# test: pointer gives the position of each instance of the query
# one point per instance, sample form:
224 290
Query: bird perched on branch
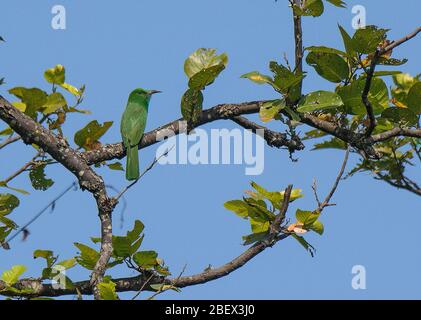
133 123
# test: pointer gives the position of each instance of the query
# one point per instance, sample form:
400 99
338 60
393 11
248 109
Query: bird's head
142 93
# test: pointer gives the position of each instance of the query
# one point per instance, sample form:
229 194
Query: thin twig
150 167
8 141
143 286
326 202
314 187
39 214
24 168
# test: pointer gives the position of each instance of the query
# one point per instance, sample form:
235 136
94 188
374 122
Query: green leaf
330 66
33 98
319 100
67 264
414 98
305 244
163 271
121 246
146 259
347 42
8 202
116 166
137 230
7 222
313 134
160 287
55 101
270 110
88 257
88 137
366 40
258 210
4 232
239 207
286 81
307 218
317 227
48 255
259 78
255 237
56 75
136 245
322 49
192 105
73 90
400 116
107 290
312 8
203 59
12 276
391 61
259 227
295 194
205 77
338 3
6 132
333 143
385 73
352 96
38 179
405 81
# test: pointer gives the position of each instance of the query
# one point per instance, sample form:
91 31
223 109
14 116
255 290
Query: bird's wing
133 124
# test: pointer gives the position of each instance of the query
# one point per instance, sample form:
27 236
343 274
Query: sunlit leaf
352 96
319 100
54 102
270 110
366 40
203 59
313 8
88 137
88 257
12 276
145 259
56 75
8 202
239 207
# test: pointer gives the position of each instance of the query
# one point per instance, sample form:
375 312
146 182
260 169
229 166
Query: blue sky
113 47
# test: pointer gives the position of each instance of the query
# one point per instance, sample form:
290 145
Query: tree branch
273 139
32 132
144 282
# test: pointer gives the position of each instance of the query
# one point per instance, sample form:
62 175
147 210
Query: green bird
133 123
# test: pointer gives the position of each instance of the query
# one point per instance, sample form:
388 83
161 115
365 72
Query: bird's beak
151 92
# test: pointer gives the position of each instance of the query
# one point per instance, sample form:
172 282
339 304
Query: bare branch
326 201
8 141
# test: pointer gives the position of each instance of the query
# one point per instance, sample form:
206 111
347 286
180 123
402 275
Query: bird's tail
132 167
